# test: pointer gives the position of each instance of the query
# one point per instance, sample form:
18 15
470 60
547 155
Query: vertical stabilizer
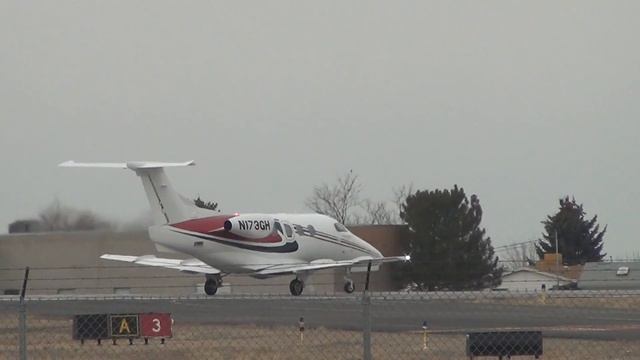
167 206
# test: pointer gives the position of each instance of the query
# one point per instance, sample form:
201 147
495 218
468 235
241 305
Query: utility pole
22 318
557 263
366 314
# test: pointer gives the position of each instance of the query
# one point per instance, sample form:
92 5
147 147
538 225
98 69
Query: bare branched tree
520 255
87 220
377 213
400 195
57 217
337 200
54 217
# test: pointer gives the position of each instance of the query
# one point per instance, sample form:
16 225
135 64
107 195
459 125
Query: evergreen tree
448 248
579 240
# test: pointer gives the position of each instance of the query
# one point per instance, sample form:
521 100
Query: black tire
210 287
349 287
296 286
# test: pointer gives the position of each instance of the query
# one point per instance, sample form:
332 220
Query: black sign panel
124 325
90 327
504 343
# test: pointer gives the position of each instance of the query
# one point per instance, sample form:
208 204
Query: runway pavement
389 313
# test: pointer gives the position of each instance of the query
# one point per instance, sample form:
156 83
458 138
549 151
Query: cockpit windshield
340 227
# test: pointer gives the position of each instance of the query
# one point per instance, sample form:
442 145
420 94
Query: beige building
531 280
69 263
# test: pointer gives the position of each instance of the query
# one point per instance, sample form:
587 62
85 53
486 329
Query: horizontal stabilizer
133 165
188 265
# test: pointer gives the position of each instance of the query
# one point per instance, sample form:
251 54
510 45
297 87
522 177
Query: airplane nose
372 249
375 251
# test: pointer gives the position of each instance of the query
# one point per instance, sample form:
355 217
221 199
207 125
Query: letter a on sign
124 327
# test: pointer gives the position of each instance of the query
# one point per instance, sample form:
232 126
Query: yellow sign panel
124 326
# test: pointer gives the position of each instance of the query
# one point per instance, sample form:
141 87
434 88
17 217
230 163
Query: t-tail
167 206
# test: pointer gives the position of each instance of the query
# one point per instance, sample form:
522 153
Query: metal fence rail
438 325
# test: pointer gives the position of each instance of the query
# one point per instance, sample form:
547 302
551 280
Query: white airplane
259 245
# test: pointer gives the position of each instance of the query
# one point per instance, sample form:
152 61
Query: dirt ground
52 339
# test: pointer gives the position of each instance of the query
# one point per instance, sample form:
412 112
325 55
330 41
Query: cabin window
288 230
278 227
340 227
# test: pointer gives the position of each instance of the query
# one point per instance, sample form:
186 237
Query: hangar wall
69 263
390 240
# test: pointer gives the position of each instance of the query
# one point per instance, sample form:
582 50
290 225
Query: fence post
22 318
366 315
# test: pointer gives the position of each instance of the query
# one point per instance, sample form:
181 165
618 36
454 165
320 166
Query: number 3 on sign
156 325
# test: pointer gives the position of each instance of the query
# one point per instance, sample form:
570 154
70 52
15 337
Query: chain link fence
399 325
553 325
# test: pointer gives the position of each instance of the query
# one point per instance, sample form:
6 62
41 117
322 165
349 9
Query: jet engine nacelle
250 226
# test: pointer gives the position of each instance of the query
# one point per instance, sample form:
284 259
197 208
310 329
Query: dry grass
51 339
542 299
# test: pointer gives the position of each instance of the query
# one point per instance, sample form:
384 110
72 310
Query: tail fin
167 206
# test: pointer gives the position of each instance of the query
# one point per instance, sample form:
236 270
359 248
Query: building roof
537 272
604 275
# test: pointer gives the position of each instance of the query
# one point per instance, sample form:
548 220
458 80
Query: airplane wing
193 266
328 264
196 266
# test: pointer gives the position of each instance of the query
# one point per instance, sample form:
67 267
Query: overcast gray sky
518 102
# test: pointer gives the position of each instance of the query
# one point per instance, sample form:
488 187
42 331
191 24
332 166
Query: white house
529 279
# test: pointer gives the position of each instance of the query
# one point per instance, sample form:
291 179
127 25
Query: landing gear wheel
211 286
296 286
349 286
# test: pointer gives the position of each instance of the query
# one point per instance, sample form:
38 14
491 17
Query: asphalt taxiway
448 315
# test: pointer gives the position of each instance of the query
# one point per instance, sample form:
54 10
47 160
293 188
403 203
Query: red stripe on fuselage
214 226
203 225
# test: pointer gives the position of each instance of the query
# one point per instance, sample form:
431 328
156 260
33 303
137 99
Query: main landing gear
296 286
349 286
212 284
